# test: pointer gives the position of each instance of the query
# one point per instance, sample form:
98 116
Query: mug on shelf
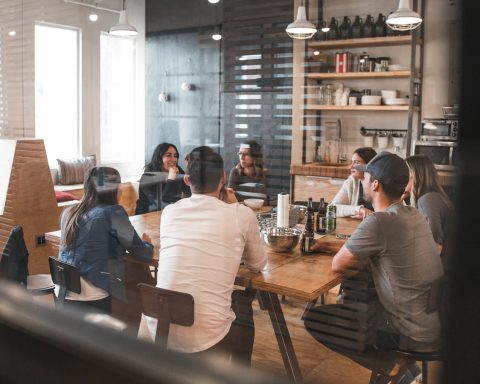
368 141
382 141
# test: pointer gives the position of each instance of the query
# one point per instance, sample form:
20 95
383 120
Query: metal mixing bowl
281 239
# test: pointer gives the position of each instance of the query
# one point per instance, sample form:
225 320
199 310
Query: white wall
25 13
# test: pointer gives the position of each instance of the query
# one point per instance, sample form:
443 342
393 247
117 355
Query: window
57 91
117 99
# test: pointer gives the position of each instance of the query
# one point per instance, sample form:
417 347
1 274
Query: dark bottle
332 33
308 236
320 226
391 31
357 28
345 29
368 26
380 28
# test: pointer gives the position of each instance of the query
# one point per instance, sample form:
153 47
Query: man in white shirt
203 240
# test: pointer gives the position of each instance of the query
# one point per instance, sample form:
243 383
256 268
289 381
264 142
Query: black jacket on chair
14 262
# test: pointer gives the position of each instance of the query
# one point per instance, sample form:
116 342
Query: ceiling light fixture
213 1
301 28
123 28
404 18
216 36
325 27
12 33
93 17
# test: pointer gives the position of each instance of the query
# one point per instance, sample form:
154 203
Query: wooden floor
317 363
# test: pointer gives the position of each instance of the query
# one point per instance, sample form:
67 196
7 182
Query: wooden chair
435 302
14 265
67 276
168 307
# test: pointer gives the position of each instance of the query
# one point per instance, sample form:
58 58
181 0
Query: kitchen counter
315 179
321 169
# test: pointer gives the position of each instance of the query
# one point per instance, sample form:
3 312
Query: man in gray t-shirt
396 244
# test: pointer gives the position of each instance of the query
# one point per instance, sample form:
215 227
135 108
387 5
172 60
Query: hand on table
228 196
146 238
326 246
362 213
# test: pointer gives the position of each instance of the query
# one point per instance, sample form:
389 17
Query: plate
398 67
396 101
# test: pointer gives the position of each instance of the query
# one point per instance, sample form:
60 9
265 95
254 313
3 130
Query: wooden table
289 274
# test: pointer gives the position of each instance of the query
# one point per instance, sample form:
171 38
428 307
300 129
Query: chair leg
424 372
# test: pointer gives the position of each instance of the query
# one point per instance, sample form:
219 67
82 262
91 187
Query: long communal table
289 274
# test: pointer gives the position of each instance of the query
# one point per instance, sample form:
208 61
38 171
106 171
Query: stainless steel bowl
281 239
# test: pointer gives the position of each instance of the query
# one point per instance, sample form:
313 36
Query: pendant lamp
301 28
123 28
404 18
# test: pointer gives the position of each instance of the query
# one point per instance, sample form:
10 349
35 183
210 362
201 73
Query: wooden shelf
362 42
318 107
359 75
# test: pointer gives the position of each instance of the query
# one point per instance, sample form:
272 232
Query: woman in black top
250 169
162 182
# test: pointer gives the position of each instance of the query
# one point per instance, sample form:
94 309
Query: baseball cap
388 168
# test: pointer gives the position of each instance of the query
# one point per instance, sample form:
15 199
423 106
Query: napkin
283 210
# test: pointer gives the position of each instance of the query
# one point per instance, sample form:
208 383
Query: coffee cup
352 100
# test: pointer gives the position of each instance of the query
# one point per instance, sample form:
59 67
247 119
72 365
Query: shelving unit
359 75
317 107
313 110
363 42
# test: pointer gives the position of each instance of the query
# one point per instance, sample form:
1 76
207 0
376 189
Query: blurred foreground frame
39 344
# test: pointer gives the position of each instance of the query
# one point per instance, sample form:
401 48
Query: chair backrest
168 307
66 275
14 262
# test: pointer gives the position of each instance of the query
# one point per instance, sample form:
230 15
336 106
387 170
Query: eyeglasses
243 154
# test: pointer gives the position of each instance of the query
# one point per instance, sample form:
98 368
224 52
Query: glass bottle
380 28
357 27
345 29
332 33
321 217
368 26
308 235
331 220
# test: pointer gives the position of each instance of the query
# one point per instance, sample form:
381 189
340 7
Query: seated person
162 182
249 178
430 199
349 200
397 244
203 240
94 237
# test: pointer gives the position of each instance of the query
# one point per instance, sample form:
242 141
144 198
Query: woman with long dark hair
349 200
428 196
162 182
95 235
249 175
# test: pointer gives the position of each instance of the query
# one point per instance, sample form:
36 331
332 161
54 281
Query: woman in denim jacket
96 234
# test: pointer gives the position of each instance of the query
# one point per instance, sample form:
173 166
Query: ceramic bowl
389 94
281 239
253 203
371 100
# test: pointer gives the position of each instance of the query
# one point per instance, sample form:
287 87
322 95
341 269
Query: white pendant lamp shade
404 18
301 28
123 28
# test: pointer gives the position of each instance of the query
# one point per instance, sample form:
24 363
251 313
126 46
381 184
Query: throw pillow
72 171
64 196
